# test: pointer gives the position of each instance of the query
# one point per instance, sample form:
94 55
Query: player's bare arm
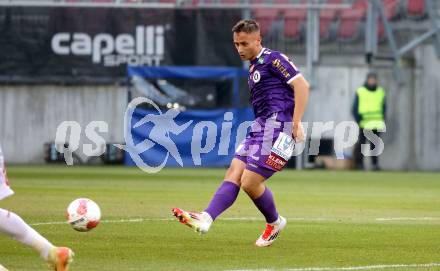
300 88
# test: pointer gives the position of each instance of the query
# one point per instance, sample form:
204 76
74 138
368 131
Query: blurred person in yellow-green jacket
369 110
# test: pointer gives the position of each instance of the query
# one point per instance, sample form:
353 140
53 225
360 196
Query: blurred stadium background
84 60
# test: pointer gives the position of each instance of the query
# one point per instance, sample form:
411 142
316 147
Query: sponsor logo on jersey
280 67
256 77
284 146
275 162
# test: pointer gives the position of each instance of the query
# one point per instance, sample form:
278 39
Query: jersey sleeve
283 68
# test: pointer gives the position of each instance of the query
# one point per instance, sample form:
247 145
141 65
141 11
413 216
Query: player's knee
233 176
247 185
234 173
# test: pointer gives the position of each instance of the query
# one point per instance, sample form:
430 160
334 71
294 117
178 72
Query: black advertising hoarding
94 45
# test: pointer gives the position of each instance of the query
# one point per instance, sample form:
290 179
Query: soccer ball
83 214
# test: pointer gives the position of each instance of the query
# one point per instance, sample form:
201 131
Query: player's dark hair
246 26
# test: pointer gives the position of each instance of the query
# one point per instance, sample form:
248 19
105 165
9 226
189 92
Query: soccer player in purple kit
279 95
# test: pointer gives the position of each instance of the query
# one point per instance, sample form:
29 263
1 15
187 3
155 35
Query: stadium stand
350 21
229 2
345 25
294 19
415 8
265 17
327 18
392 9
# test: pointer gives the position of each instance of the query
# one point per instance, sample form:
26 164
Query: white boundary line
349 268
138 220
367 267
407 218
130 220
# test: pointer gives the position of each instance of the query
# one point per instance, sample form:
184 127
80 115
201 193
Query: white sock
207 217
277 222
12 225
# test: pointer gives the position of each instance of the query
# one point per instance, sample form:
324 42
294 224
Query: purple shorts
269 144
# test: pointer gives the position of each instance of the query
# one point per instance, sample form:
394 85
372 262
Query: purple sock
223 198
266 205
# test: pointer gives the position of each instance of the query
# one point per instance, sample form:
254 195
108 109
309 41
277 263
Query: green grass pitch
335 219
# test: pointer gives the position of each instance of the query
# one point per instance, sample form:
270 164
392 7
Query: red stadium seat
380 31
350 20
326 18
415 8
229 2
391 8
391 12
293 20
265 17
350 23
360 4
280 2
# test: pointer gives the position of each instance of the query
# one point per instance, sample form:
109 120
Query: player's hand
298 132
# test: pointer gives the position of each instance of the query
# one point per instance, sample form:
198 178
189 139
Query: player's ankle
276 222
46 252
207 217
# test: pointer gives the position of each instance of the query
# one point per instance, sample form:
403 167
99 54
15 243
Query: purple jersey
269 77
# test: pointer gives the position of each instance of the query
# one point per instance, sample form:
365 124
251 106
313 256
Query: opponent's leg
12 225
253 184
223 198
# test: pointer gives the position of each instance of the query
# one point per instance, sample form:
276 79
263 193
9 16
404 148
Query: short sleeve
283 68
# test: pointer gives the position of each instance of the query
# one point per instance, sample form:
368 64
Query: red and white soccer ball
83 214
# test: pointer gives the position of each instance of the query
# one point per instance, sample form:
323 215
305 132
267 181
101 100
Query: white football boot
60 258
271 232
200 222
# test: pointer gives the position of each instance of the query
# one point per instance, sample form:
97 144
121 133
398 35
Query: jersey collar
258 56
